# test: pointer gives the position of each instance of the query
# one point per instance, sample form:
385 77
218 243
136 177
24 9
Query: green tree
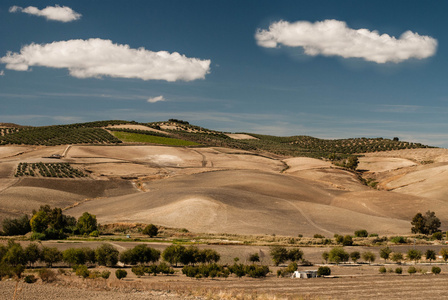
444 254
323 271
151 230
430 255
397 257
427 224
140 254
347 241
361 233
295 254
74 256
355 255
32 253
50 255
325 256
87 223
414 255
338 255
278 254
106 255
173 254
14 255
368 256
39 221
210 256
385 253
19 226
120 274
352 162
255 257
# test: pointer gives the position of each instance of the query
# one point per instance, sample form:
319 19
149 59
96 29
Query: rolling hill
230 183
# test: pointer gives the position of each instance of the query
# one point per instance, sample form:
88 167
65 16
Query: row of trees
338 255
50 223
57 170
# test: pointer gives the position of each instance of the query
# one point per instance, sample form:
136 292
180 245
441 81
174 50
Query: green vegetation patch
55 170
144 138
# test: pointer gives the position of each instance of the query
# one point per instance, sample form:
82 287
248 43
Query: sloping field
246 202
221 190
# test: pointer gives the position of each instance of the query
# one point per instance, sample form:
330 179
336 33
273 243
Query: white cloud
156 99
2 73
54 13
334 38
97 58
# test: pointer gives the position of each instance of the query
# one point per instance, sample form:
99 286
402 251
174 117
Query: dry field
218 190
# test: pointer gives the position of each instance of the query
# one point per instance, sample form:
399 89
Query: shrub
436 270
95 233
368 256
279 255
397 257
120 274
47 275
82 271
361 233
398 240
255 271
382 270
337 255
106 255
437 235
412 270
398 270
323 271
138 270
255 257
151 230
319 236
30 279
105 274
355 255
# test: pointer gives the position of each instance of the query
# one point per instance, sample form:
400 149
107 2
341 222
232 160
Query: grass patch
143 138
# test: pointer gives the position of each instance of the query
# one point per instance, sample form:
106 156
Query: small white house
305 274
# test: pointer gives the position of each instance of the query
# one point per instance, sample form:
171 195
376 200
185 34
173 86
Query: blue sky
273 67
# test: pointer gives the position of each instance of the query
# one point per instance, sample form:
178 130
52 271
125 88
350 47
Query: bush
398 270
437 235
120 274
398 240
436 270
151 230
95 233
30 279
412 270
47 275
361 233
138 270
319 236
82 271
323 271
105 274
382 270
106 255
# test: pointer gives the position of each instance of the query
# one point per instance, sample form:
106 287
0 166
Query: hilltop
179 175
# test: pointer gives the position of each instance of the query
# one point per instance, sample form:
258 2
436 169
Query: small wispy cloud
53 13
335 38
156 99
2 73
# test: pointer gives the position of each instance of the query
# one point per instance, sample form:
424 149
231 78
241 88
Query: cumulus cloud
335 38
98 58
54 13
156 99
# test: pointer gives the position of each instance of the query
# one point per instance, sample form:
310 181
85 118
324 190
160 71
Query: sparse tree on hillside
369 256
279 255
385 253
430 255
151 230
444 254
427 224
338 255
397 257
414 255
355 255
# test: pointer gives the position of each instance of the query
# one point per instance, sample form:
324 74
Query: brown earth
219 190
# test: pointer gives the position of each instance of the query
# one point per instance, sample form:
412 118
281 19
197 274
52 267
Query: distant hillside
96 133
